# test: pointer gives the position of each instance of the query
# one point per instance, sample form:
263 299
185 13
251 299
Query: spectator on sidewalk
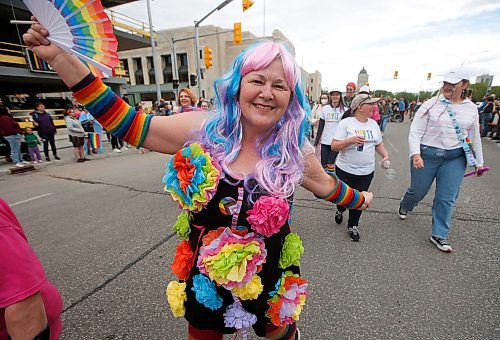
76 134
187 101
32 143
30 305
46 129
487 115
87 122
11 132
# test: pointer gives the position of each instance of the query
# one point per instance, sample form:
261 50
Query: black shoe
442 244
81 160
57 158
338 217
402 213
47 159
354 233
86 159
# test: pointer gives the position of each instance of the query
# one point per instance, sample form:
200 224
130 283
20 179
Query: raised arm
163 134
330 188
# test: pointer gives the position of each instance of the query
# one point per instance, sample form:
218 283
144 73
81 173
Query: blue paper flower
206 293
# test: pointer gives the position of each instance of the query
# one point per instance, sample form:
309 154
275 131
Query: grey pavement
102 230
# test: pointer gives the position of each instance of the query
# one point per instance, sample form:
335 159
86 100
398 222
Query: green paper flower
291 252
181 227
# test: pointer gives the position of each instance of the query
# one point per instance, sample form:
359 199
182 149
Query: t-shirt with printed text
358 161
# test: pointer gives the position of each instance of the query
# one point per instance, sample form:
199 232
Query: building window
312 81
139 76
166 66
124 62
151 70
183 67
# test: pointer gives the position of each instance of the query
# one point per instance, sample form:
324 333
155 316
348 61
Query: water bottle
391 173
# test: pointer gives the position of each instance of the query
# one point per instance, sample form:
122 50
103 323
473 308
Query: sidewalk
65 152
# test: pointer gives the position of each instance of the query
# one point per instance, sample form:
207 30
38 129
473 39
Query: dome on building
363 71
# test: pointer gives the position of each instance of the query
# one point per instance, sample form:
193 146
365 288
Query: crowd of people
235 170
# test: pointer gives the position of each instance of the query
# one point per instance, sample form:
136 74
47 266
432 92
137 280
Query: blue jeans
15 147
448 168
383 123
485 118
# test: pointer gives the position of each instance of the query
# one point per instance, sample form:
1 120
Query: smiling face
185 99
264 97
335 97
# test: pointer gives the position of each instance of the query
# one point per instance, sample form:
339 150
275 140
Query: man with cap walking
350 90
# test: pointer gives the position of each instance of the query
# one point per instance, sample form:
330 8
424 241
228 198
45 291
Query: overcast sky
338 37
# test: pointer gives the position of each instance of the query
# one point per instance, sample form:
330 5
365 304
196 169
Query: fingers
38 36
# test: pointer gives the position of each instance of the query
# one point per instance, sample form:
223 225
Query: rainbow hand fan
80 27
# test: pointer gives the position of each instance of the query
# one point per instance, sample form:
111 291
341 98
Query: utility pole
153 47
197 40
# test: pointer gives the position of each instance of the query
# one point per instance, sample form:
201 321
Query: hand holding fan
80 27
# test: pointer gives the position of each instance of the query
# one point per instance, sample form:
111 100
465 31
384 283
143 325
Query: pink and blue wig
282 164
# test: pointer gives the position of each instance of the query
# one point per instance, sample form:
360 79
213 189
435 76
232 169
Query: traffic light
247 4
237 33
208 57
395 74
429 75
193 80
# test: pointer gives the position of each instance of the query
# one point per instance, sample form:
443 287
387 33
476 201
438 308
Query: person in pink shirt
30 305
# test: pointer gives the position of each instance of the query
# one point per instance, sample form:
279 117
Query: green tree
495 90
478 91
383 93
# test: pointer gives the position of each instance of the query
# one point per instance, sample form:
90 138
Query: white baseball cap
455 76
364 88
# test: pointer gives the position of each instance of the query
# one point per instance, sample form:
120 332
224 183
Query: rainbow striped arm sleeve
111 111
344 195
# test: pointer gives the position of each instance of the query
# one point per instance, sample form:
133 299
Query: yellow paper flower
249 291
176 295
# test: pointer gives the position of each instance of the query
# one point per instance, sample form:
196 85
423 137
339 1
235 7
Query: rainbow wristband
111 111
344 195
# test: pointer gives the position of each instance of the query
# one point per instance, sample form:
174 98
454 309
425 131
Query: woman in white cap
329 119
441 135
356 139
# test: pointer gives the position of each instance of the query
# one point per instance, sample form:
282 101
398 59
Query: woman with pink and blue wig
233 174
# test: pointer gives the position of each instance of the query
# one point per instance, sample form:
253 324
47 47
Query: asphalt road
102 230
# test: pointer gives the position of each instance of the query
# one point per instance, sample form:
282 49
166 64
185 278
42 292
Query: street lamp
153 48
197 40
463 60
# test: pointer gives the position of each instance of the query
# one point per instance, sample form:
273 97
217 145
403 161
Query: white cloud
338 38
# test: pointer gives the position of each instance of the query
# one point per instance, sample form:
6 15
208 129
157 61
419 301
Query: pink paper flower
268 215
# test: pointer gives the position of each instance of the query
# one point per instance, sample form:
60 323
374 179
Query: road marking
30 199
392 146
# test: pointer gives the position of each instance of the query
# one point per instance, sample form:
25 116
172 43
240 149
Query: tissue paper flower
291 252
192 177
206 293
287 301
237 317
268 215
181 227
249 291
232 259
176 295
183 260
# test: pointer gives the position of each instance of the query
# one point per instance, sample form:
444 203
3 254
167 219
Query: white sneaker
34 162
19 165
40 161
117 150
25 162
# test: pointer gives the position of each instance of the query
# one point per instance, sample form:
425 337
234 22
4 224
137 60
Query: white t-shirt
350 159
332 117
